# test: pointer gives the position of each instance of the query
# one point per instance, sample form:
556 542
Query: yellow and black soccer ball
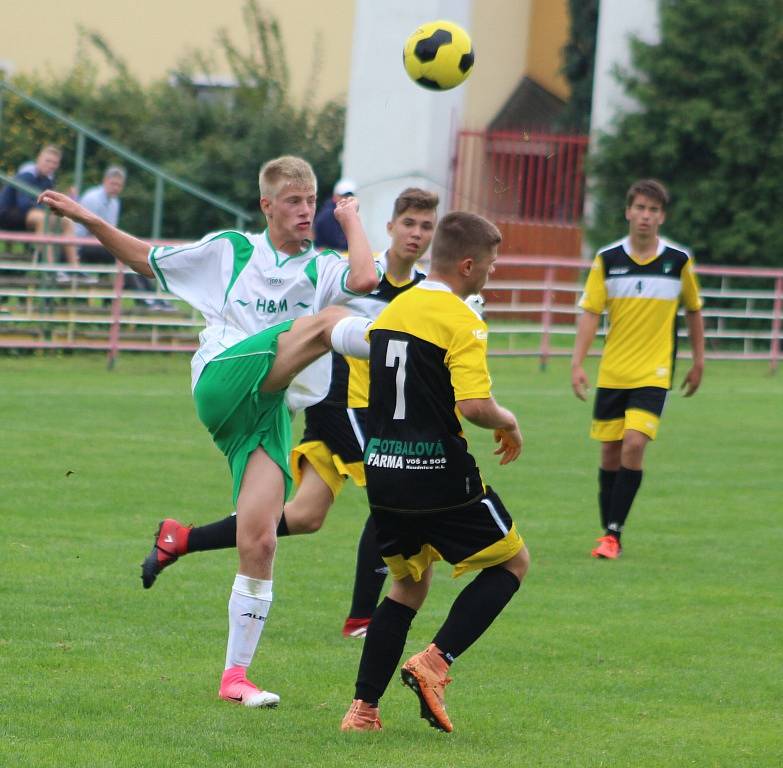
438 55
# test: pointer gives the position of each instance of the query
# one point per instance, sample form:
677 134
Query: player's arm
486 413
585 333
362 277
695 323
128 249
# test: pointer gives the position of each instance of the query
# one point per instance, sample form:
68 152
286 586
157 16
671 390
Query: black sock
606 478
219 535
282 527
625 487
370 574
383 647
222 534
475 608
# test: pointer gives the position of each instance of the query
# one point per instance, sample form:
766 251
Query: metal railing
531 311
521 175
160 175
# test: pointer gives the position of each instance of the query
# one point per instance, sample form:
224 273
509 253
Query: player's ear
389 228
265 204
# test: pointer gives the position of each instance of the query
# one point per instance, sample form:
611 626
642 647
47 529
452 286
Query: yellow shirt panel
450 325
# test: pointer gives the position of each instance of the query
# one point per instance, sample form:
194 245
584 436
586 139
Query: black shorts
616 410
476 536
333 444
341 430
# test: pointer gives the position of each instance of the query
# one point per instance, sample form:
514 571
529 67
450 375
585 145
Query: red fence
520 176
531 308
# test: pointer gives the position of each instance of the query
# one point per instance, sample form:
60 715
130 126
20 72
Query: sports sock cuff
250 587
404 612
348 337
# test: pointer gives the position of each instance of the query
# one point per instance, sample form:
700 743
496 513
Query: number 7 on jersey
397 352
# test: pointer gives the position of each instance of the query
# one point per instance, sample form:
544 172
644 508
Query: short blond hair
282 171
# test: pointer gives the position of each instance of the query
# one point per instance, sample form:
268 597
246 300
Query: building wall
152 35
500 33
550 26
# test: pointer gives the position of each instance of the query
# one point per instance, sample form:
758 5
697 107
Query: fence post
157 211
79 170
116 314
776 312
546 317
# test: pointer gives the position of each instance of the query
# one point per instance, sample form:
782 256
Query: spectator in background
328 233
104 200
19 211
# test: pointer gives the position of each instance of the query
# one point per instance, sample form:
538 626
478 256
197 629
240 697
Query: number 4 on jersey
397 352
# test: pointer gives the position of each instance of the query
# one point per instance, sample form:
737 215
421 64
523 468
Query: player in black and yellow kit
332 446
427 498
640 281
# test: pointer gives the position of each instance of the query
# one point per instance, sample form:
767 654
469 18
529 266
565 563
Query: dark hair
416 198
651 188
460 234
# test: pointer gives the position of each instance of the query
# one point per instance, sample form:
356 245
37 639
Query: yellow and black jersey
350 375
641 299
428 349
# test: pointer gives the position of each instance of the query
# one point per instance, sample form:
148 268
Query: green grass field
671 656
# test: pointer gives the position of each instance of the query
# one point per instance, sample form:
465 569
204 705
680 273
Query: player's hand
510 444
579 382
345 209
63 205
692 380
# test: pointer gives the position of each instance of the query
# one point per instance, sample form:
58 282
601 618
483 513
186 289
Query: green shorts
239 416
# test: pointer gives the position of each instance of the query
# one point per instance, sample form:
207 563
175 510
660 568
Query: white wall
618 22
397 134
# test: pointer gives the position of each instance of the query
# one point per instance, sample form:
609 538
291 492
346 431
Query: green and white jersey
242 285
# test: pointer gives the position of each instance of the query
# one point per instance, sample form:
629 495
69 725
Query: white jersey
242 285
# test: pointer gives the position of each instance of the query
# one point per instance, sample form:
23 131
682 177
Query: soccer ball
438 55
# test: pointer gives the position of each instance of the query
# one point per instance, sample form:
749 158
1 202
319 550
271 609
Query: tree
710 125
578 65
214 141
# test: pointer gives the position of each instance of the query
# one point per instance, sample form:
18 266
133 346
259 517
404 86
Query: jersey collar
626 244
284 258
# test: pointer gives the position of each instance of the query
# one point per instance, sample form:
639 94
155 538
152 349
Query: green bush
710 98
216 141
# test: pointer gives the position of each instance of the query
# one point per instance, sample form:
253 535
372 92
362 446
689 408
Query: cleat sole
410 681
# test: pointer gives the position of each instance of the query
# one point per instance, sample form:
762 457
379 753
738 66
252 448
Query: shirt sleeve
466 359
199 273
691 299
333 272
594 296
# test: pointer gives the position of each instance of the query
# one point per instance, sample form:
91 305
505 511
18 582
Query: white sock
248 607
348 337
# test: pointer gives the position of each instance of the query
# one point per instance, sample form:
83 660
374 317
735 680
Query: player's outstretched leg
171 542
370 574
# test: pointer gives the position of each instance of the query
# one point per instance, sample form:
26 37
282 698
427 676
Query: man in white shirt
104 201
266 300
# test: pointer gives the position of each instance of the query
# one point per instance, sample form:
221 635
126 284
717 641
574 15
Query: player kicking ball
332 446
427 499
266 303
